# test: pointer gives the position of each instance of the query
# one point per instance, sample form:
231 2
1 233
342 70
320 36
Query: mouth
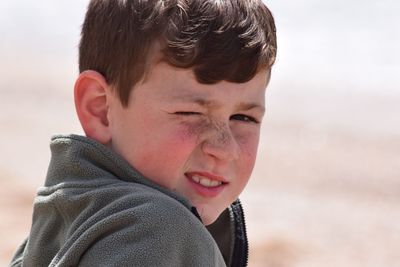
205 181
206 184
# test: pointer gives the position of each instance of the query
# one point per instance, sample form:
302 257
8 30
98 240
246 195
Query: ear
91 104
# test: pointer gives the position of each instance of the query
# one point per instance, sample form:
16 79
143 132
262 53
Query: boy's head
176 87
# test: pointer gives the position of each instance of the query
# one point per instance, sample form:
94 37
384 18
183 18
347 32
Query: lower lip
207 191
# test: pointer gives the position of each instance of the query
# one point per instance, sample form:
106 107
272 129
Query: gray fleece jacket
96 210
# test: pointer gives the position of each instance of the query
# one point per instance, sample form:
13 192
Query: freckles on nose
219 136
215 133
223 137
220 143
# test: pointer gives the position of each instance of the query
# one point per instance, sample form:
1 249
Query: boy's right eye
186 113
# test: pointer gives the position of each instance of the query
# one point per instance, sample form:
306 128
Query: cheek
163 159
248 143
164 150
180 142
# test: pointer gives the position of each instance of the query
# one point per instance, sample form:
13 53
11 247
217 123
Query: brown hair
219 40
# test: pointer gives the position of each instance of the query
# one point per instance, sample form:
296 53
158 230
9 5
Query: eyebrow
210 103
248 106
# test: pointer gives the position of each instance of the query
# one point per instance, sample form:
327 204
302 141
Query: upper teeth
205 181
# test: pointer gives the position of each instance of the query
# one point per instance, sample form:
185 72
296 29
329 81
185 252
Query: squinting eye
244 118
186 113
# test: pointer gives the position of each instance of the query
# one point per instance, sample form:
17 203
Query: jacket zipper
241 247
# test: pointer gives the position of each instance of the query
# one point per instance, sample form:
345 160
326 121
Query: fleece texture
96 210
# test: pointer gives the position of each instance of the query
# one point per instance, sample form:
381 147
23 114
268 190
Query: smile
205 181
207 184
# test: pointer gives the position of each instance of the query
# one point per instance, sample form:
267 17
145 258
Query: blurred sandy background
326 189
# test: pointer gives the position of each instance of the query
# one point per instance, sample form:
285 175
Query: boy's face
198 140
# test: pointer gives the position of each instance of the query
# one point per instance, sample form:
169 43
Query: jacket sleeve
160 233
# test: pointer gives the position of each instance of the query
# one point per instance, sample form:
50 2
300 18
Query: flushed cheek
178 145
163 156
164 162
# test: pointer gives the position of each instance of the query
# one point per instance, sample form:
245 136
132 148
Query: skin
176 130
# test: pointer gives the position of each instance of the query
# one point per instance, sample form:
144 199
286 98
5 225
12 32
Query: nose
221 144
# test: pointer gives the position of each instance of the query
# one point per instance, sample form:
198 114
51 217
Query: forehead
169 82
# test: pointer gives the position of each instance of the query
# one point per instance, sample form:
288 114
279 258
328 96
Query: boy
170 96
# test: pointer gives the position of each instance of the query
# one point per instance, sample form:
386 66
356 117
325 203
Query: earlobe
91 104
